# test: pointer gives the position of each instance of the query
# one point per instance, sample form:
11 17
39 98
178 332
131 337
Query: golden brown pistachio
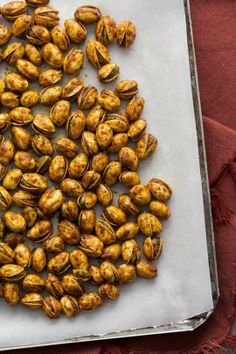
109 272
126 204
36 3
50 95
134 108
38 260
3 171
34 182
72 88
160 189
105 232
38 35
5 34
75 125
108 73
78 166
54 286
42 124
82 275
91 179
2 228
24 161
97 53
96 276
12 293
46 16
67 147
28 69
126 89
13 9
140 194
127 273
128 158
79 260
71 285
42 145
87 200
60 112
40 231
149 224
29 98
20 116
87 97
32 283
16 82
13 239
51 201
91 245
131 252
112 172
14 221
54 244
146 269
127 230
30 215
7 151
152 247
104 194
125 34
109 291
159 209
69 232
6 254
137 129
106 30
22 255
59 264
70 210
60 38
2 85
42 164
90 301
72 187
100 161
109 100
73 61
50 77
22 25
69 305
5 121
95 117
13 52
118 122
87 14
23 198
112 253
114 215
86 221
12 273
32 300
10 100
129 178
52 55
33 54
1 54
104 135
76 31
51 307
89 143
5 199
12 179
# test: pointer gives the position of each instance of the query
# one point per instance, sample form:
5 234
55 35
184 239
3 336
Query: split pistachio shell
12 273
13 9
5 199
50 77
109 100
42 124
128 158
33 283
152 247
23 198
137 129
129 178
12 239
90 301
160 189
60 112
72 187
16 82
12 179
108 73
51 307
12 293
2 228
32 300
59 264
67 147
112 172
87 220
115 215
118 122
54 244
50 95
69 232
13 52
149 224
140 194
127 273
125 34
5 34
29 98
7 151
104 135
126 204
22 255
39 259
22 25
78 166
70 210
97 53
104 194
89 143
79 259
109 291
52 55
34 182
5 122
99 161
126 89
87 14
51 200
40 231
42 145
60 38
76 31
134 108
24 161
90 179
72 88
46 16
33 54
81 274
131 251
54 286
42 164
111 253
10 99
71 285
3 171
127 230
146 269
6 254
15 222
73 61
106 30
75 125
30 215
87 97
87 200
109 272
95 117
91 245
70 305
26 68
58 168
105 232
36 3
38 35
159 209
21 116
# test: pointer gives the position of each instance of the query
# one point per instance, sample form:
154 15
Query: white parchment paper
158 60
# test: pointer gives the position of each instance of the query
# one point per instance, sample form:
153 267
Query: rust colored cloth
214 28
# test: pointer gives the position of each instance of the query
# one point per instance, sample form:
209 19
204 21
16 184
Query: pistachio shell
42 145
87 200
106 30
86 221
42 164
97 53
22 255
73 61
38 260
127 273
129 178
140 194
79 259
131 252
40 231
6 254
71 187
109 100
50 95
73 88
13 9
24 161
12 273
10 100
60 112
52 55
33 54
159 189
51 200
125 34
146 269
126 89
59 264
5 199
149 224
104 135
5 122
12 179
46 16
109 291
99 161
104 194
76 31
23 198
28 69
75 125
69 232
29 98
54 244
70 210
30 215
112 172
50 77
87 14
126 204
90 179
21 116
112 253
128 158
96 276
137 129
89 143
5 34
13 52
91 245
32 300
70 305
134 108
60 38
34 182
38 35
71 285
16 82
109 272
78 166
12 293
90 301
32 283
42 124
13 239
87 97
118 122
36 3
108 73
152 247
159 209
14 221
114 215
67 147
22 25
54 286
51 307
127 230
105 232
7 151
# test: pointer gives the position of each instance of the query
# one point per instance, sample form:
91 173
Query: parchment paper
159 62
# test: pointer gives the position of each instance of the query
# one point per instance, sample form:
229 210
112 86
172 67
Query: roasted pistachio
106 30
40 231
104 194
131 251
33 54
149 224
23 198
87 14
109 291
69 232
52 55
69 305
13 9
89 143
24 161
152 247
112 172
16 82
70 210
126 204
34 182
114 215
87 97
109 100
128 158
73 61
134 108
76 31
95 117
71 285
127 230
3 171
67 147
12 273
86 220
50 77
96 276
104 135
100 161
137 129
7 151
42 145
51 200
30 215
11 293
21 138
5 199
108 73
125 34
51 307
105 232
5 122
28 69
13 52
29 98
54 286
2 228
140 194
50 95
5 34
127 273
22 255
159 189
13 239
46 16
78 166
42 164
10 100
42 124
22 25
129 178
75 125
72 187
146 269
59 264
109 272
38 259
159 209
32 300
36 3
87 200
60 112
38 35
91 245
126 89
33 283
2 85
79 260
90 301
14 221
72 88
112 253
97 53
6 254
60 38
54 244
91 179
21 116
118 122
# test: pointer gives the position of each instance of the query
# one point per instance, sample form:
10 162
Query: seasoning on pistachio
40 231
95 117
87 200
89 143
72 88
54 244
42 164
109 100
60 38
12 273
60 112
5 199
58 168
5 122
14 221
36 3
69 305
159 189
23 198
146 269
6 254
159 209
41 145
52 55
109 291
128 158
131 251
70 210
69 232
30 215
137 129
59 264
97 53
50 77
71 187
91 245
21 25
42 124
46 16
10 99
114 215
111 253
129 178
73 61
127 273
33 54
78 166
67 147
51 200
126 204
7 151
5 34
13 52
51 307
16 82
90 179
24 161
38 260
140 194
105 231
118 122
87 14
125 34
71 285
21 116
87 97
112 172
149 224
76 31
38 35
127 230
106 30
87 220
104 135
32 300
11 10
34 182
99 161
50 95
104 194
33 283
79 259
22 255
29 98
27 69
75 125
134 108
11 293
54 286
108 73
152 247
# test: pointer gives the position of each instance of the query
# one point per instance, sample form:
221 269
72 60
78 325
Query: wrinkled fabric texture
214 29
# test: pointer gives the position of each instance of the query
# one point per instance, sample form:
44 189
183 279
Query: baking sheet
159 62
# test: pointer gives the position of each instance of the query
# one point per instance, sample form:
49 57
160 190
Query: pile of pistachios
65 178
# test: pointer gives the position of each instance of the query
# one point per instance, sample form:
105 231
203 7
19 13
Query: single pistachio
24 161
128 159
95 117
70 210
73 61
26 68
71 187
60 38
79 260
89 143
87 14
42 124
127 230
15 222
140 194
137 129
54 244
104 194
106 30
2 85
76 31
13 52
114 215
33 283
109 100
21 116
50 77
72 88
96 277
40 231
71 285
131 251
6 254
90 301
82 275
51 307
23 198
118 122
22 255
146 269
70 305
91 245
7 151
54 286
5 34
12 273
109 272
16 82
10 100
12 239
46 16
125 34
13 9
126 204
134 108
104 135
11 293
75 124
108 73
5 122
38 259
36 3
87 200
30 215
78 166
111 253
129 178
50 95
99 161
52 55
60 112
86 220
105 232
109 291
51 200
41 145
58 168
67 147
29 98
22 25
152 247
2 228
111 173
97 53
90 179
160 189
42 164
127 273
87 97
149 224
3 171
126 89
59 264
34 182
38 35
5 199
69 232
159 209
32 300
33 54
